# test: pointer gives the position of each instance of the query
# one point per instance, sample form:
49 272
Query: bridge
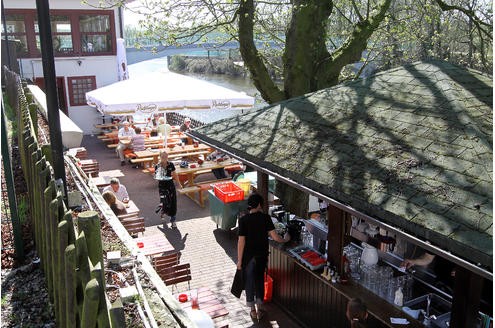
135 55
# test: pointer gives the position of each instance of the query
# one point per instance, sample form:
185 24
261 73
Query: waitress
252 251
166 175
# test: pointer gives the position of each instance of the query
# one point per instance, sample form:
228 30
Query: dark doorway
61 94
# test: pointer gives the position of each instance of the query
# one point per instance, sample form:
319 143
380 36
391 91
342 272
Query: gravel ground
25 300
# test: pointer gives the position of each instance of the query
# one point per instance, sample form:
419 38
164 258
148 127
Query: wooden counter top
340 293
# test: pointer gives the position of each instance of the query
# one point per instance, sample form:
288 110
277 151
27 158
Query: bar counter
317 302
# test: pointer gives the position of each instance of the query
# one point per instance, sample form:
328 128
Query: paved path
211 252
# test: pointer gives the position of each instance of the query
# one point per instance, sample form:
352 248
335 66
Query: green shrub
177 63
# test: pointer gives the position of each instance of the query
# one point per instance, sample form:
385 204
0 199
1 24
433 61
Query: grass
10 114
4 300
22 208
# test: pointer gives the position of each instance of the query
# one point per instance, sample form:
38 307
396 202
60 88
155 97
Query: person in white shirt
125 135
163 129
118 189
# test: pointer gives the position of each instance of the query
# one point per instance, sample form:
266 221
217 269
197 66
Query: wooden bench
162 262
91 169
176 274
147 162
132 223
129 154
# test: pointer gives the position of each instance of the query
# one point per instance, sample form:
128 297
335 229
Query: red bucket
268 289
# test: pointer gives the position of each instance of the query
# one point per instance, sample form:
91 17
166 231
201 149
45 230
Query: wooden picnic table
111 173
207 302
154 244
131 208
193 170
104 177
106 126
185 149
149 142
149 157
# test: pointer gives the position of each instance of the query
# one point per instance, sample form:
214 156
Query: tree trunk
305 46
252 58
308 66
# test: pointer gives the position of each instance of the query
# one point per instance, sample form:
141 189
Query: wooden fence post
47 152
44 242
52 251
82 258
117 315
90 307
29 171
98 274
63 234
33 113
89 223
39 187
44 183
71 286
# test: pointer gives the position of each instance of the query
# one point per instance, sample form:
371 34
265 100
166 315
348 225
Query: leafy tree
320 40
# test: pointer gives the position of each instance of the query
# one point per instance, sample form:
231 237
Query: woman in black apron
165 174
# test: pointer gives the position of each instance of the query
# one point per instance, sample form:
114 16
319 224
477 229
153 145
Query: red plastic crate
228 192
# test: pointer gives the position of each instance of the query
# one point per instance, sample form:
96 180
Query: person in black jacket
252 251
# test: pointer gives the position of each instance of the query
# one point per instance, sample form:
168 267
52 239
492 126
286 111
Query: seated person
119 190
357 313
154 125
185 127
117 206
137 140
125 135
220 172
163 127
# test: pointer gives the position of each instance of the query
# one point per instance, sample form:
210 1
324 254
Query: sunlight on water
240 84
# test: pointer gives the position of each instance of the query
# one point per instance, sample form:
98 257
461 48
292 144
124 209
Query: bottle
325 272
399 297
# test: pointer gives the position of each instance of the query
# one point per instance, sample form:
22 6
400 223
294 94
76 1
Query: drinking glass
194 299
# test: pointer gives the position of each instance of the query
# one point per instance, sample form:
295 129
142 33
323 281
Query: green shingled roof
411 146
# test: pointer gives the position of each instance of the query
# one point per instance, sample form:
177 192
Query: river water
241 84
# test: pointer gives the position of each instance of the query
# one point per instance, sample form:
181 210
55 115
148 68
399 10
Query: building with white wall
84 45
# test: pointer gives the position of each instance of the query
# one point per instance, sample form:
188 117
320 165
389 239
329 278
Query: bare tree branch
469 13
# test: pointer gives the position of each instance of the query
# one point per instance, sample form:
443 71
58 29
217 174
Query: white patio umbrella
164 91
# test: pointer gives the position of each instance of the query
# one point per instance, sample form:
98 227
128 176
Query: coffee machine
294 228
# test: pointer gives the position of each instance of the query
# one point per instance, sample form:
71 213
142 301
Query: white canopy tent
164 91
